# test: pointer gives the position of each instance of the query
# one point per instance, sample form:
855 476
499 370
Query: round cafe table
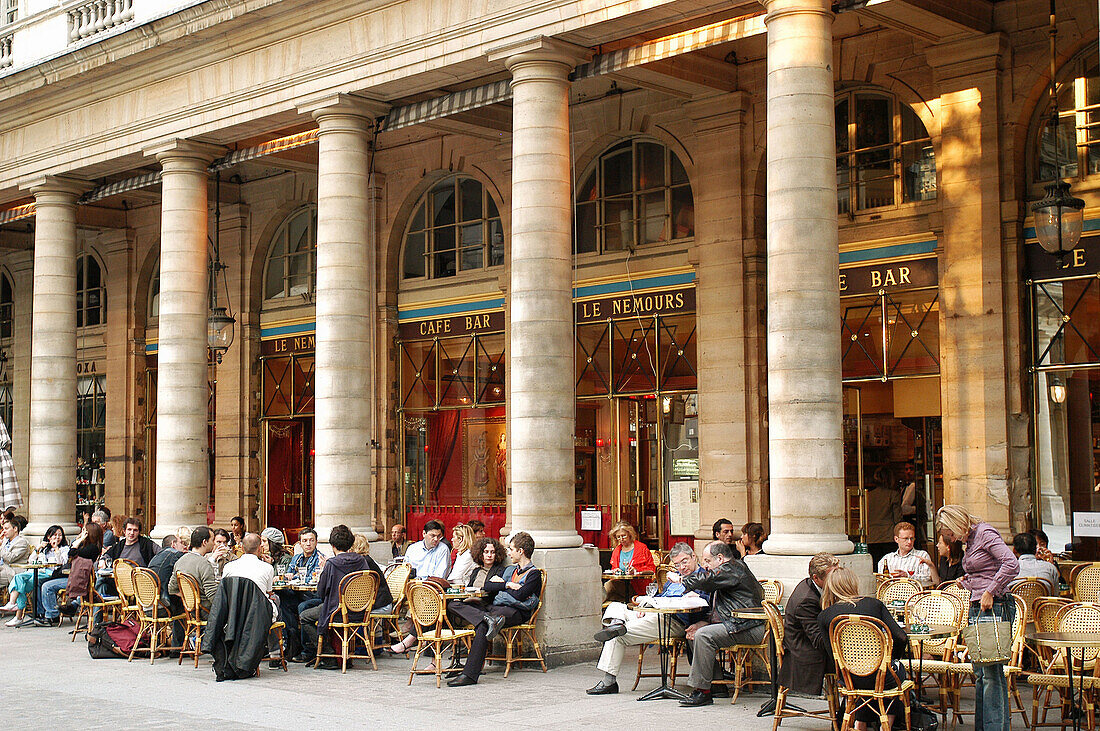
35 567
1070 641
664 637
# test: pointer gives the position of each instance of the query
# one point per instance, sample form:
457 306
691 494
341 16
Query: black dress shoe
494 623
274 663
610 632
329 663
461 680
719 691
603 688
698 698
302 657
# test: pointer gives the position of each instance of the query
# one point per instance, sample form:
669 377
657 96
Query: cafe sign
636 304
289 344
475 323
889 277
1085 259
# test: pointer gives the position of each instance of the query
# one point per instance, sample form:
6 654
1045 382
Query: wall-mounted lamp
1057 390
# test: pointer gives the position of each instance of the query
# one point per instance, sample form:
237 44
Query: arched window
292 260
154 292
7 303
636 194
454 228
883 153
91 298
1078 136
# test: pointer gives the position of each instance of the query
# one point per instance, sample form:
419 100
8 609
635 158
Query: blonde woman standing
989 566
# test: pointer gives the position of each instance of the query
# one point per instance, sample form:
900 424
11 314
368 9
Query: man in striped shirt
906 561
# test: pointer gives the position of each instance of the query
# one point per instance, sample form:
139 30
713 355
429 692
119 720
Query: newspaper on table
687 601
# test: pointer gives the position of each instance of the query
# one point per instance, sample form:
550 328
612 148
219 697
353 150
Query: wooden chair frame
428 609
152 624
775 622
851 637
124 584
86 611
1074 617
1085 583
358 590
397 579
194 624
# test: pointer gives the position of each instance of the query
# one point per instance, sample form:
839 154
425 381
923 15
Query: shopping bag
988 640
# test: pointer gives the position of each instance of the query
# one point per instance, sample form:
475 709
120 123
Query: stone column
540 400
980 395
733 464
52 478
343 420
183 468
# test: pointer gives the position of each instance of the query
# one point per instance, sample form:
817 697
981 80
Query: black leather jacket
732 586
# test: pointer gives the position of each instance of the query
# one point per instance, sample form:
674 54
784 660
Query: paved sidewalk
62 687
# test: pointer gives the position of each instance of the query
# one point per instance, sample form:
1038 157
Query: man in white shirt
1024 546
430 557
905 561
250 566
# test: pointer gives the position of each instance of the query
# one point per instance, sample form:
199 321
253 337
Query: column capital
184 154
777 8
332 104
57 185
539 49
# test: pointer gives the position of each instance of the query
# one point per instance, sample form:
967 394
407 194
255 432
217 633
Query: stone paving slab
65 689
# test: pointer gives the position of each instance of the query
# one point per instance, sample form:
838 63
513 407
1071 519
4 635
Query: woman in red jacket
630 556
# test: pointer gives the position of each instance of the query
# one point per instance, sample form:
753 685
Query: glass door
855 494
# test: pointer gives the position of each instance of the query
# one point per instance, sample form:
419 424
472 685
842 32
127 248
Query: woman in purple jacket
989 566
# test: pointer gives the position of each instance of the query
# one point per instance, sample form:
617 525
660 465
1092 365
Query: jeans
47 595
991 709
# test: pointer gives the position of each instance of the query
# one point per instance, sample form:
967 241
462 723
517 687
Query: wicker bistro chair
358 591
897 590
194 624
397 579
740 658
124 583
775 624
861 648
1044 614
1076 617
1086 583
663 570
956 589
155 619
91 602
512 638
1030 589
936 607
773 591
429 615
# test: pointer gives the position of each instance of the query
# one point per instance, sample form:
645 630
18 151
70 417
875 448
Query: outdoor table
295 586
664 636
35 567
768 707
450 595
928 632
616 576
1070 641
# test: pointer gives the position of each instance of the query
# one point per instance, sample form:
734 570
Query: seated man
624 628
515 596
804 645
732 586
134 546
293 602
398 542
1024 546
907 561
344 561
430 557
250 566
14 548
194 564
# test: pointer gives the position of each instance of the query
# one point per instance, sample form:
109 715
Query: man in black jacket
804 643
732 586
135 547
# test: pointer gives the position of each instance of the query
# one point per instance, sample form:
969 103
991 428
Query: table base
663 692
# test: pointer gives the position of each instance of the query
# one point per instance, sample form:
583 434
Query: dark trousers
480 645
291 605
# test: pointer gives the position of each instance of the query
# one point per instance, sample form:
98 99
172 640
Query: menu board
683 507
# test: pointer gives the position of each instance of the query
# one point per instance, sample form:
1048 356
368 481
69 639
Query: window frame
83 291
7 306
282 235
1074 73
636 193
429 250
848 191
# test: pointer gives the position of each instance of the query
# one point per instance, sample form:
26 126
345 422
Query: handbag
988 640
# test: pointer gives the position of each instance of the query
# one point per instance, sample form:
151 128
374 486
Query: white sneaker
14 622
8 608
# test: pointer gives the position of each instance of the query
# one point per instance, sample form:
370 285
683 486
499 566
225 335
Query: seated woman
462 538
53 549
951 561
752 539
630 556
490 564
83 554
275 551
841 597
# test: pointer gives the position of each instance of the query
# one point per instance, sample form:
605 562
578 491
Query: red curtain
442 437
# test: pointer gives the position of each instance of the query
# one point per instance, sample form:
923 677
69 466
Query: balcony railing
98 16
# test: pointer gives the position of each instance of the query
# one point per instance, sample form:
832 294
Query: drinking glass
651 589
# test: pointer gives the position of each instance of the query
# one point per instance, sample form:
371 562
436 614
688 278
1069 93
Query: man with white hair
624 628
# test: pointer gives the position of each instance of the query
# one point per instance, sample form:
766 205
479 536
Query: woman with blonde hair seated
841 597
462 539
630 556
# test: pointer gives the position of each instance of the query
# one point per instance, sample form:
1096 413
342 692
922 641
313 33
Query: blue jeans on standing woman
991 709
